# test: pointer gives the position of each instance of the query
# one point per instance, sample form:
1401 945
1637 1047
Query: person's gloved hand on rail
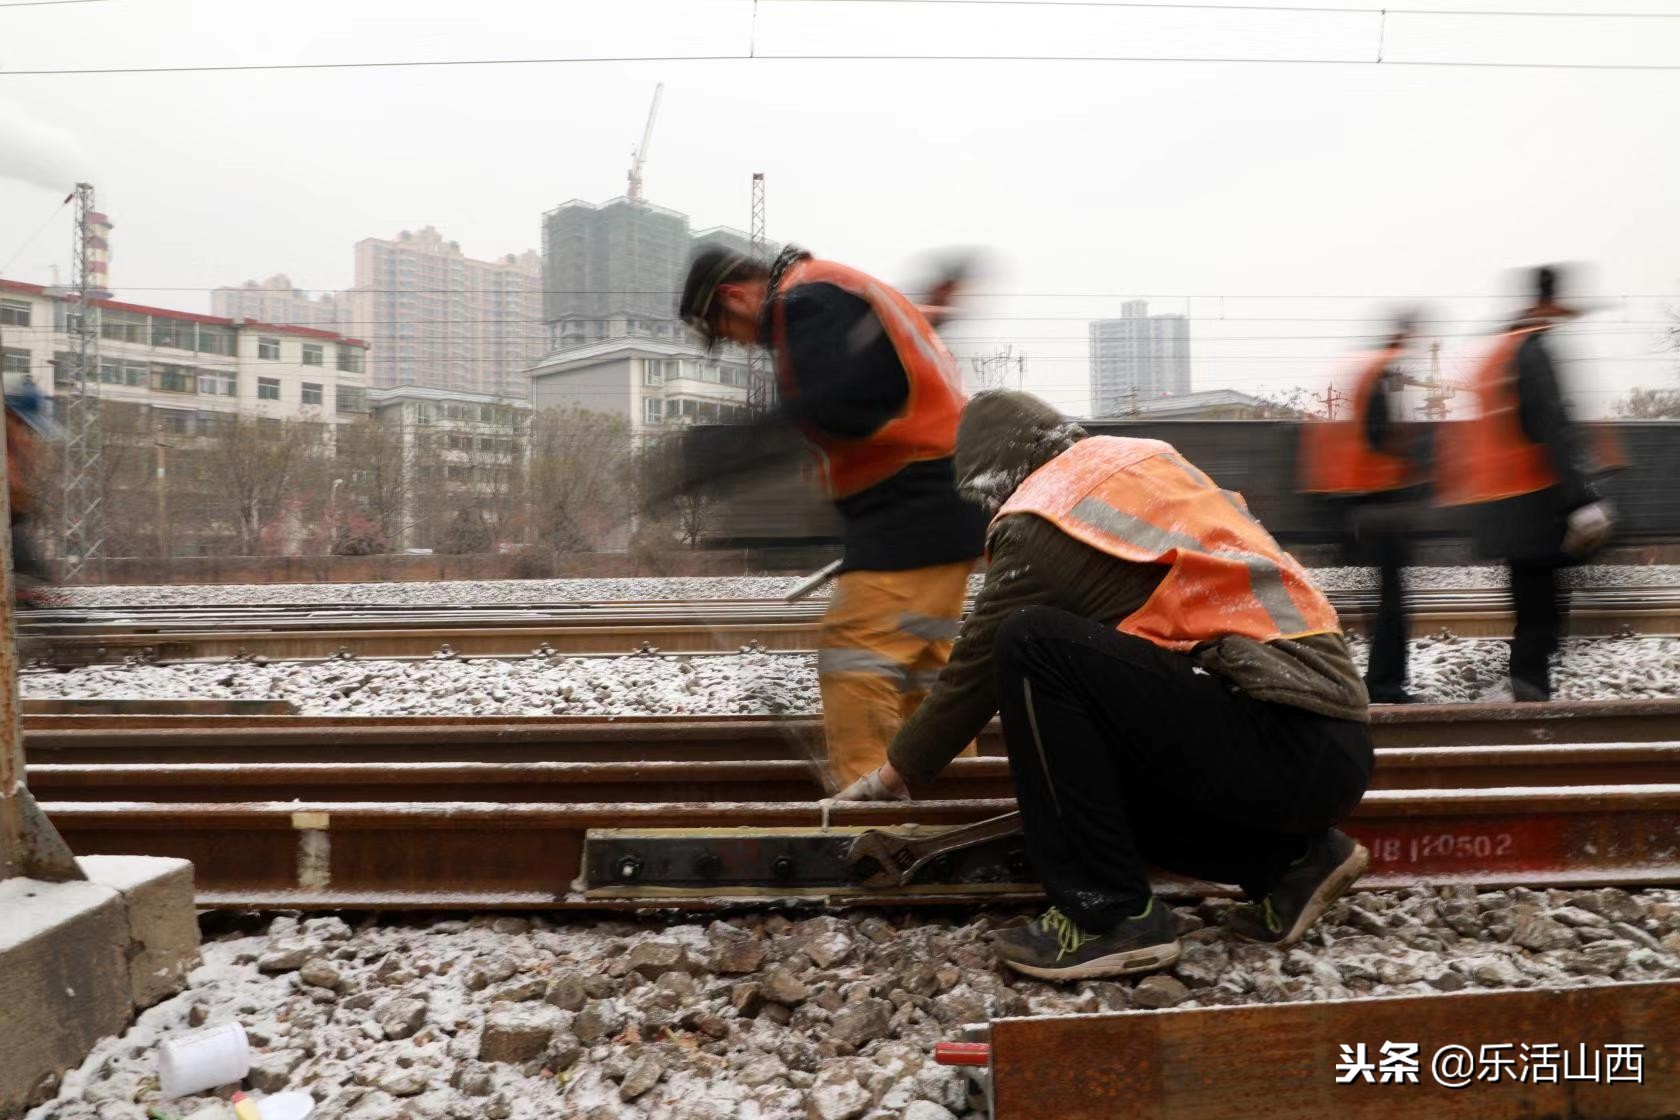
881 784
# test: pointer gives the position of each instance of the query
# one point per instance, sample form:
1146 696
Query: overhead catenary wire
808 59
1145 295
30 240
1185 5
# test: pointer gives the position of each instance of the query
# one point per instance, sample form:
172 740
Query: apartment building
655 384
1138 357
277 300
188 372
442 320
458 454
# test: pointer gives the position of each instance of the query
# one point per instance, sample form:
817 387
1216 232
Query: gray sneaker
1055 948
1332 865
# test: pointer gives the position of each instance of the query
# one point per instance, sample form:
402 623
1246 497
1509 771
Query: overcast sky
1278 204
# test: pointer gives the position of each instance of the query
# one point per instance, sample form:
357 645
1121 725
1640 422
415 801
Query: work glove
1589 528
873 787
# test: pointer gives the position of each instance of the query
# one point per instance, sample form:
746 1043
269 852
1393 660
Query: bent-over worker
1174 691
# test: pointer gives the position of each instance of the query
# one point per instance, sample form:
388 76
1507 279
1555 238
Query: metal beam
77 391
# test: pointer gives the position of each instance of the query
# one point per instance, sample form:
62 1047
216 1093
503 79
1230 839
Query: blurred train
783 508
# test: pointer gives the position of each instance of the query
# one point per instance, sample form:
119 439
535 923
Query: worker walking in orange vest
1524 467
28 427
1173 690
864 376
1364 464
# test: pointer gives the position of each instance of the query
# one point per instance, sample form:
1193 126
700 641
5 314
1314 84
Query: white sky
1277 203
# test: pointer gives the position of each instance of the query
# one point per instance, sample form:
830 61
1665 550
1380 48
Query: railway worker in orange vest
1525 468
27 426
864 376
1174 691
1362 463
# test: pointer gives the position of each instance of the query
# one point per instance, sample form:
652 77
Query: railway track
298 633
288 811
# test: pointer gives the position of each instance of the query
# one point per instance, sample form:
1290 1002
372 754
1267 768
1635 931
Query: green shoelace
1069 937
1272 922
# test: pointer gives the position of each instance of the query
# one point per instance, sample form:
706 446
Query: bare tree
1291 404
674 508
255 462
1650 404
372 458
580 479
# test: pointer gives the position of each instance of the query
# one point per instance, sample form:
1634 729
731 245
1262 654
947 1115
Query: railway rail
300 633
307 812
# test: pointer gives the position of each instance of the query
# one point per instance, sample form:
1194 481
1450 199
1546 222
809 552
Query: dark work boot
1332 864
1055 948
1528 692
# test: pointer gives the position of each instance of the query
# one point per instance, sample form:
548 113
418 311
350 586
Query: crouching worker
1173 689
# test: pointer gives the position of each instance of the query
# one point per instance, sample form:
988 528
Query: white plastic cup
192 1063
287 1106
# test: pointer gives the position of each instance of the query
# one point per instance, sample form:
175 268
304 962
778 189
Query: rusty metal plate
1280 1061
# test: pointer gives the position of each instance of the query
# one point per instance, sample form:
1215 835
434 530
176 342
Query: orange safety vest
927 426
1490 458
1335 456
1139 500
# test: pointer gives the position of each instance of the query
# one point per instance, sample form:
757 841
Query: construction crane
639 156
1436 391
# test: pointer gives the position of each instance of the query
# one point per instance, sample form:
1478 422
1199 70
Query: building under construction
612 270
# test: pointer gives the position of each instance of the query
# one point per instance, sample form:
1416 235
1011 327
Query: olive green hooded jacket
1003 438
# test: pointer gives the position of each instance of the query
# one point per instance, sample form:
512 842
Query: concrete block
162 920
64 982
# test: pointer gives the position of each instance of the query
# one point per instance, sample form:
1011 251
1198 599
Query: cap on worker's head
24 401
1003 437
1406 318
710 268
1547 284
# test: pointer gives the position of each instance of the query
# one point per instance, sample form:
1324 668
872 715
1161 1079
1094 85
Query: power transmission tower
761 385
1330 400
1436 394
992 371
78 392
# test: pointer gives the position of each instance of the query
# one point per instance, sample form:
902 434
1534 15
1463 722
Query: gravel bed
518 592
1443 670
1483 577
452 593
634 684
763 1017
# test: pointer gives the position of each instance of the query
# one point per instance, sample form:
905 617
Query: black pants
1125 754
1542 608
1385 672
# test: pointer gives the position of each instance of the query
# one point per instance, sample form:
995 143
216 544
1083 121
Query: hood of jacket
1005 436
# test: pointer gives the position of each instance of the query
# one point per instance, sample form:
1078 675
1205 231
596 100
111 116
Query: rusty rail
768 780
717 626
276 739
326 812
326 854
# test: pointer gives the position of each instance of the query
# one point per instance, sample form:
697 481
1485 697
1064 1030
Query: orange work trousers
884 639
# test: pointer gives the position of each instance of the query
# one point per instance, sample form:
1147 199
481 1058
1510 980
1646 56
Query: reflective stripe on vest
927 426
1490 458
1336 457
1139 500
